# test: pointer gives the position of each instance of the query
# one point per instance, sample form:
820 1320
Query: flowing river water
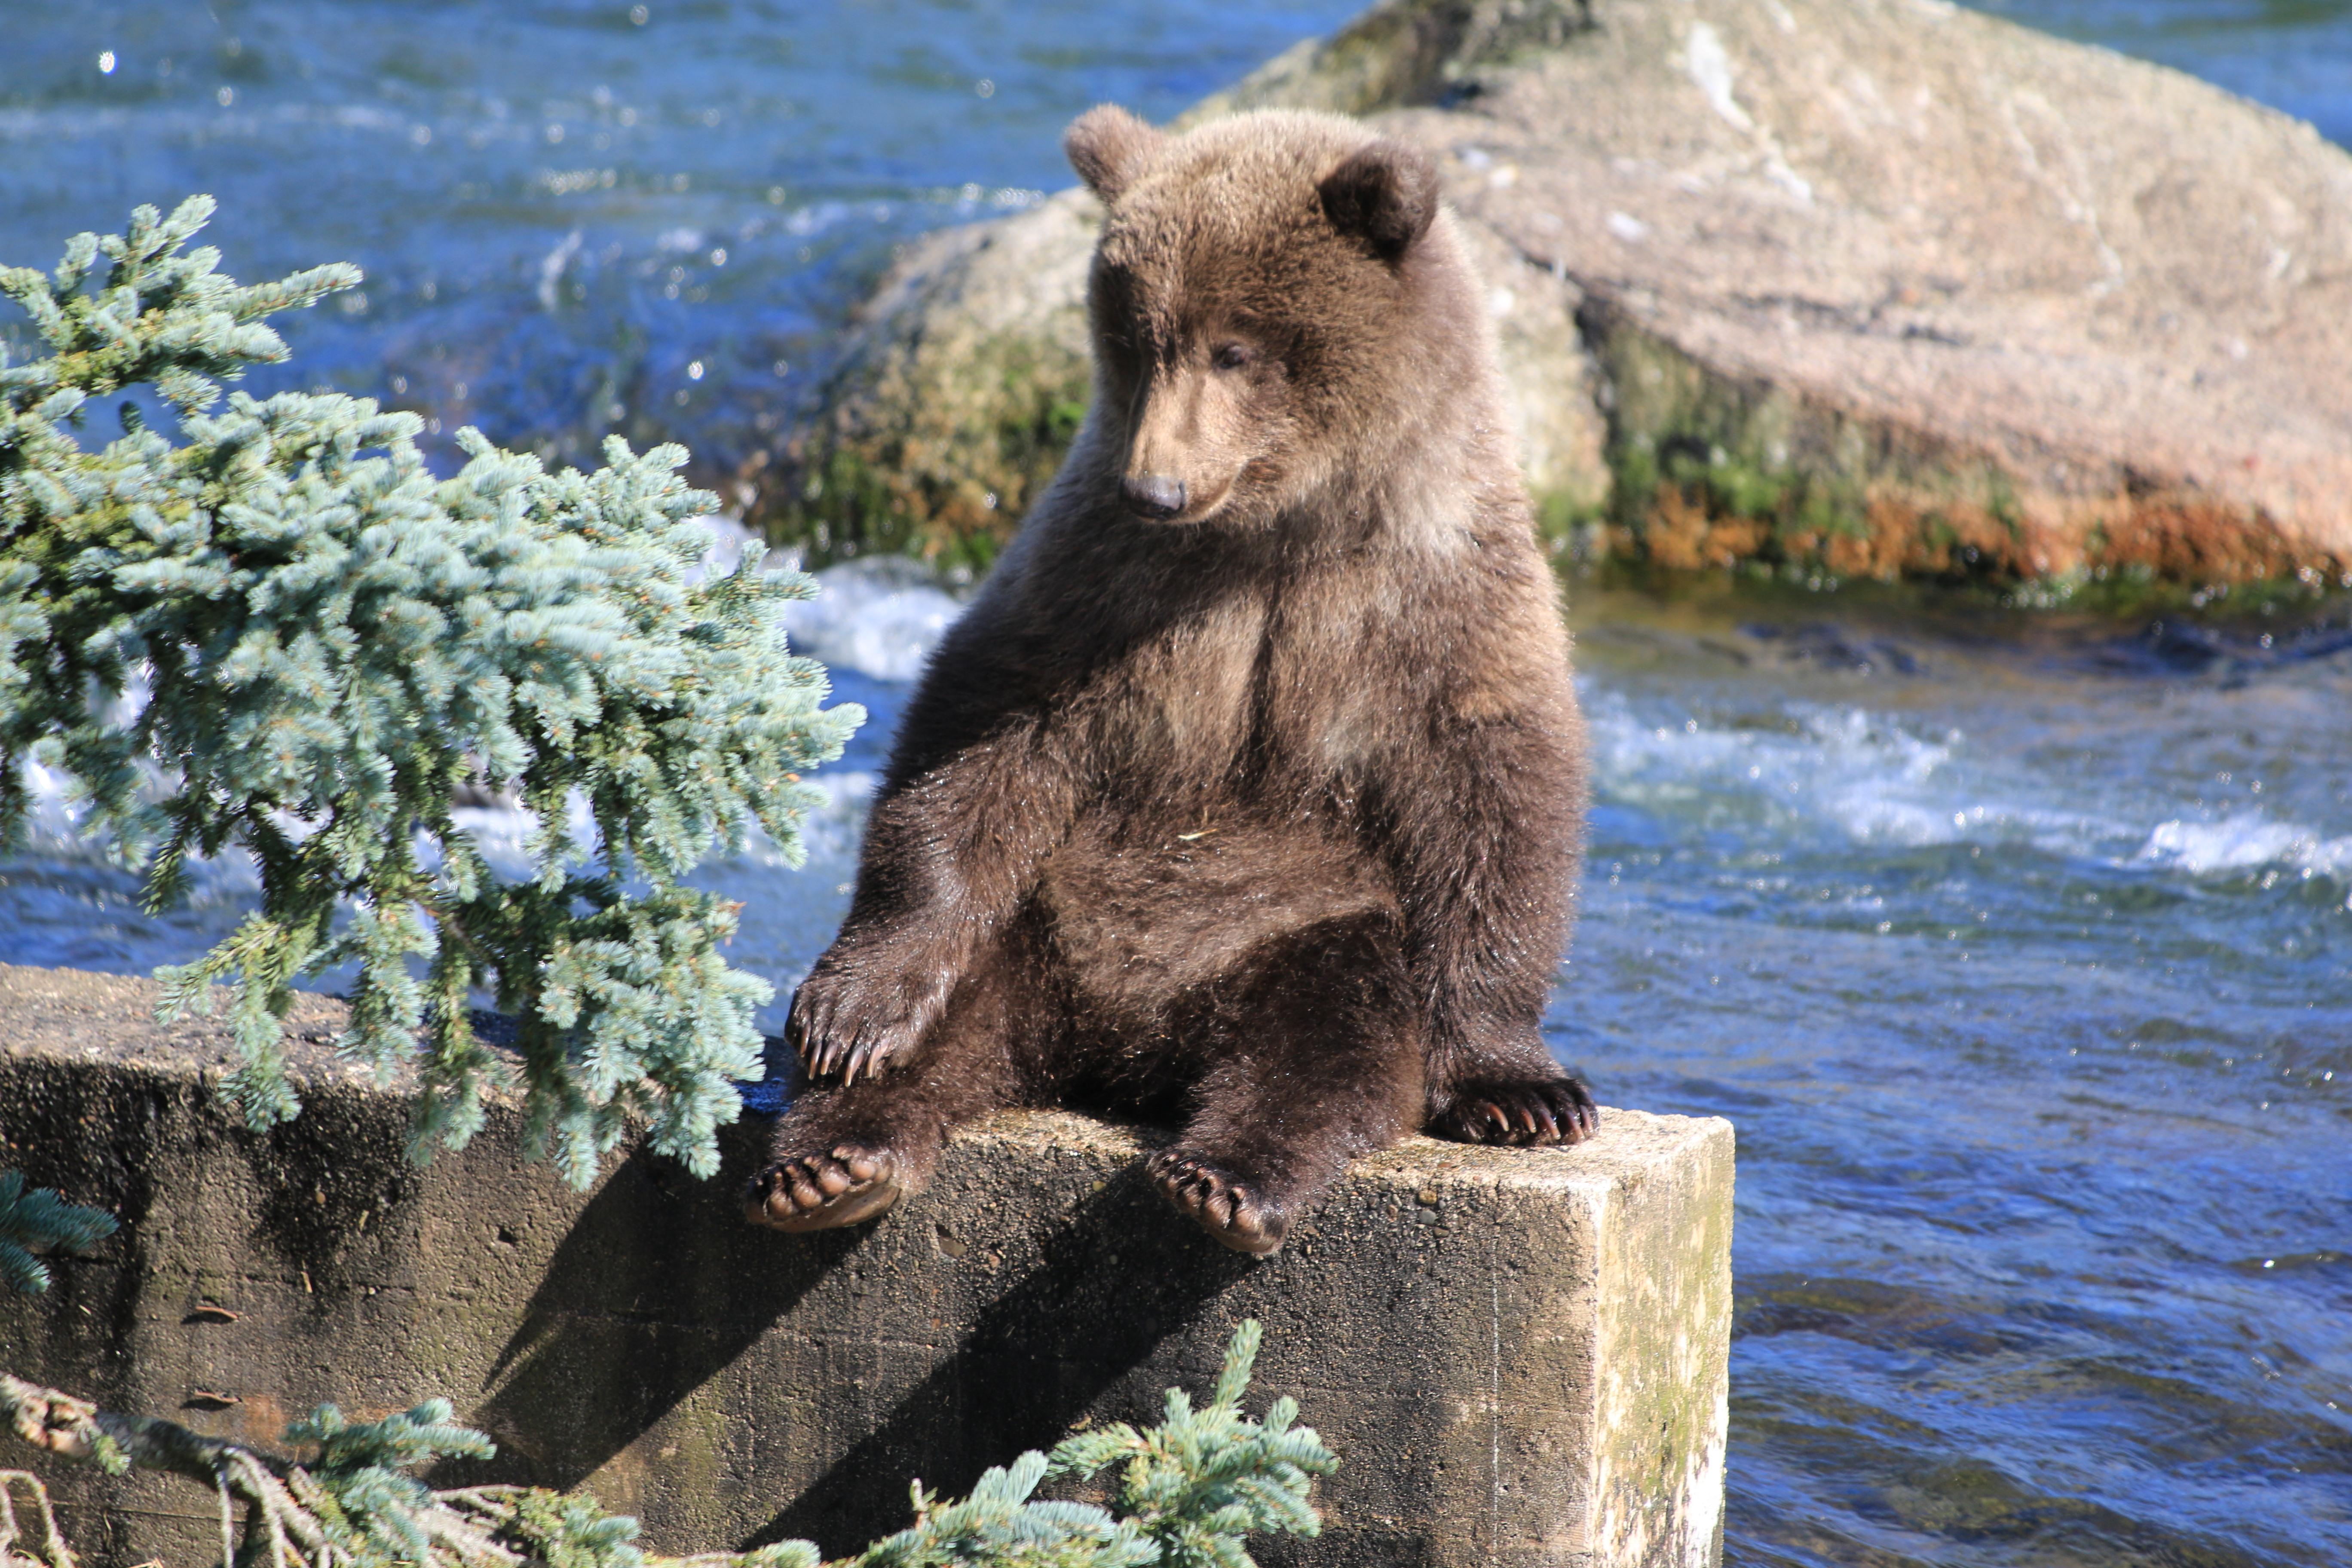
2017 943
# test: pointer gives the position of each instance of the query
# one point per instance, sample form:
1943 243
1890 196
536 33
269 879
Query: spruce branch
1197 1483
1193 1489
313 642
33 1217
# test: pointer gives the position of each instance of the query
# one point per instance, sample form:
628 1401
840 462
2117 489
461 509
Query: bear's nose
1154 495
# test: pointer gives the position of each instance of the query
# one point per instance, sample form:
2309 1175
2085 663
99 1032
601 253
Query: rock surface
1520 1355
1844 285
965 378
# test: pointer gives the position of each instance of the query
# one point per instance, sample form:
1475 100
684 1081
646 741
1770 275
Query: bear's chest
1281 688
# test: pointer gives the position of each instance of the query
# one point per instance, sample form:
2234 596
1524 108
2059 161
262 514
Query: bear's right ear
1386 194
1108 146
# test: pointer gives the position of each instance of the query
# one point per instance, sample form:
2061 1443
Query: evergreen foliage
1190 1491
38 1217
369 1506
332 641
1191 1486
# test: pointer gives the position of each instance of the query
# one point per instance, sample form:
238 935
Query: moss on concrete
1663 1410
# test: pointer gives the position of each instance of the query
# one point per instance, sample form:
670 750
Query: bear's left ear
1386 194
1109 147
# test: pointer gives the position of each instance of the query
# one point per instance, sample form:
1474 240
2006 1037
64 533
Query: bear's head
1267 299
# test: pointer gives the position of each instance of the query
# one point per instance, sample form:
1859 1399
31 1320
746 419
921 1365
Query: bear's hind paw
1547 1111
1229 1209
826 1190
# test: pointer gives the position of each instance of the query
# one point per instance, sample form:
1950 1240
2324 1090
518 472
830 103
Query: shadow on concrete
656 1288
1115 1280
334 1183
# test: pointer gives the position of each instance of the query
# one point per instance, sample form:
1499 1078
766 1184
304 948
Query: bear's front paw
1517 1111
851 1022
848 1182
1235 1213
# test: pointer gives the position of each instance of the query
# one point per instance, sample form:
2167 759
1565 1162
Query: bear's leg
1509 1092
1314 1057
846 1152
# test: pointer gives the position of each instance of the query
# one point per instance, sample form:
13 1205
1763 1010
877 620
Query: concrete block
1520 1356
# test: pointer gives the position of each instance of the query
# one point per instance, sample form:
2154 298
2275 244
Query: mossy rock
951 406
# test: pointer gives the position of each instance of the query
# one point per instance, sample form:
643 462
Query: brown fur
1264 811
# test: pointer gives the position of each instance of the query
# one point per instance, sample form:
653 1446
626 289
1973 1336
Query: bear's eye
1231 356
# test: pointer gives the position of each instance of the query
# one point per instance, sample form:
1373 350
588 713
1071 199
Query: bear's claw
847 1025
1550 1110
1222 1205
824 1190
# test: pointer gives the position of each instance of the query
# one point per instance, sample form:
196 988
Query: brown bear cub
1248 791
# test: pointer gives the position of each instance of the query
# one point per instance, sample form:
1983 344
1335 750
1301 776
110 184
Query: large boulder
1842 286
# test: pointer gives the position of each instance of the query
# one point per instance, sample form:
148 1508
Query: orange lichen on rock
1682 535
1901 530
2197 540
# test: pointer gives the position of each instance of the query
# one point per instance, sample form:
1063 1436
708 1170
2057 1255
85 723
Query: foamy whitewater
1865 777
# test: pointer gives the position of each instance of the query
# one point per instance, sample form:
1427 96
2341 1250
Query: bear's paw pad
1236 1214
823 1189
1520 1113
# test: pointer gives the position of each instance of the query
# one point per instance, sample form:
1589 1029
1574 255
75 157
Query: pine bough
332 642
33 1217
1189 1491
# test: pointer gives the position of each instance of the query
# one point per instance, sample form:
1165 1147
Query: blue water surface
580 218
2018 948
